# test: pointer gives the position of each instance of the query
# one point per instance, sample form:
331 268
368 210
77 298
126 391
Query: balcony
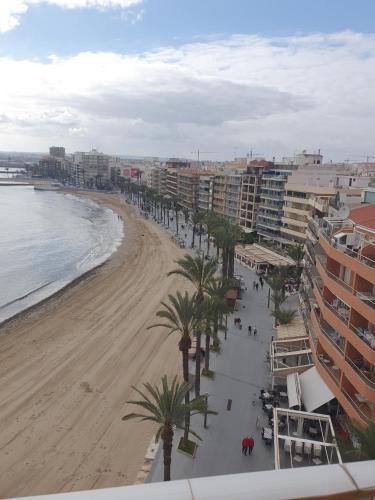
295 234
293 222
342 323
360 407
364 304
364 266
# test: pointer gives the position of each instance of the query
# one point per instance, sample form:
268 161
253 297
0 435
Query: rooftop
363 216
311 189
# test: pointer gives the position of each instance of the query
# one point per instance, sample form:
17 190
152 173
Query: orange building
340 279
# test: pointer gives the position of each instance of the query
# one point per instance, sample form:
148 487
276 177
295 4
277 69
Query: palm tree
179 316
200 273
216 291
297 253
364 439
276 281
227 236
165 406
210 221
284 316
177 208
195 219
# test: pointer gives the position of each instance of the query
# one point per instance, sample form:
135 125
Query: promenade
240 372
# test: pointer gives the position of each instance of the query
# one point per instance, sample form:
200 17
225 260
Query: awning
338 236
315 391
294 390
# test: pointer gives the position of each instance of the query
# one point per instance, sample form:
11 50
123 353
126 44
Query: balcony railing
367 299
364 374
361 408
359 333
347 251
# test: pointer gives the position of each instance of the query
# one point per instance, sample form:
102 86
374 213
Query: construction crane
251 154
198 153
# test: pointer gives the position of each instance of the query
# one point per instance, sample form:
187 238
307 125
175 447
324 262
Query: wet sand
67 367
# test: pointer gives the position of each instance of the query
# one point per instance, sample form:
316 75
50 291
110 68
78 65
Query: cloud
12 10
276 95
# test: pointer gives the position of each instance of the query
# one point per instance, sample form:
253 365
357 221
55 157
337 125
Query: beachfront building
302 203
158 180
94 167
57 152
206 191
251 187
305 158
270 211
340 289
188 189
227 195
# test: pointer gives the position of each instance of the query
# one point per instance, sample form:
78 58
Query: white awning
338 236
315 391
294 390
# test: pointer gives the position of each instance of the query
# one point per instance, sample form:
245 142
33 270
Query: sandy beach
67 367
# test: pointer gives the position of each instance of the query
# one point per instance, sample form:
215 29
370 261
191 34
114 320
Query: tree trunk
198 363
231 263
167 437
224 255
176 221
193 237
200 237
208 244
207 353
168 217
184 346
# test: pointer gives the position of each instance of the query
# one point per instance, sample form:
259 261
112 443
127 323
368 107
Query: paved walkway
240 373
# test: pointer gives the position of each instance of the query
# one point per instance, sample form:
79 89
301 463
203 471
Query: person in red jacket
247 445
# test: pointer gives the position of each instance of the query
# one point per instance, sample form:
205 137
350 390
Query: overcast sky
165 77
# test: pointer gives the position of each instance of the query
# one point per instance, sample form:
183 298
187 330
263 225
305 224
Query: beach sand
67 367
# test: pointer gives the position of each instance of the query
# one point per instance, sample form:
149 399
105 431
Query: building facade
270 211
302 203
340 281
251 187
227 196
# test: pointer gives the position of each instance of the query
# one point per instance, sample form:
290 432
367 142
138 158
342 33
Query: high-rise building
94 167
270 211
158 180
57 152
340 281
227 195
251 187
206 192
302 202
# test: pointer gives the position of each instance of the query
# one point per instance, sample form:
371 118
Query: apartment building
302 203
171 182
227 195
340 280
270 211
158 180
251 187
188 189
93 165
57 152
205 194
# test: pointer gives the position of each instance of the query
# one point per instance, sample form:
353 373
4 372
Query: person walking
249 329
256 286
245 445
250 445
255 332
261 284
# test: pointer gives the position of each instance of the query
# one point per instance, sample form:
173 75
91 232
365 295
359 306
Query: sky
168 77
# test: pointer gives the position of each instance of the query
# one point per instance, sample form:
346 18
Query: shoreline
68 283
68 364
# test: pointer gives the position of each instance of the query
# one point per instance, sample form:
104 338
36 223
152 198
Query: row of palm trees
188 315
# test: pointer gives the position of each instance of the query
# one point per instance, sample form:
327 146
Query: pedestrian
255 332
257 423
254 285
261 284
245 445
249 329
251 445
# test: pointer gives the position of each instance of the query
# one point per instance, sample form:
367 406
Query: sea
48 239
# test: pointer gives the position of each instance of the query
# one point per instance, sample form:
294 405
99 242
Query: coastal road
67 368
